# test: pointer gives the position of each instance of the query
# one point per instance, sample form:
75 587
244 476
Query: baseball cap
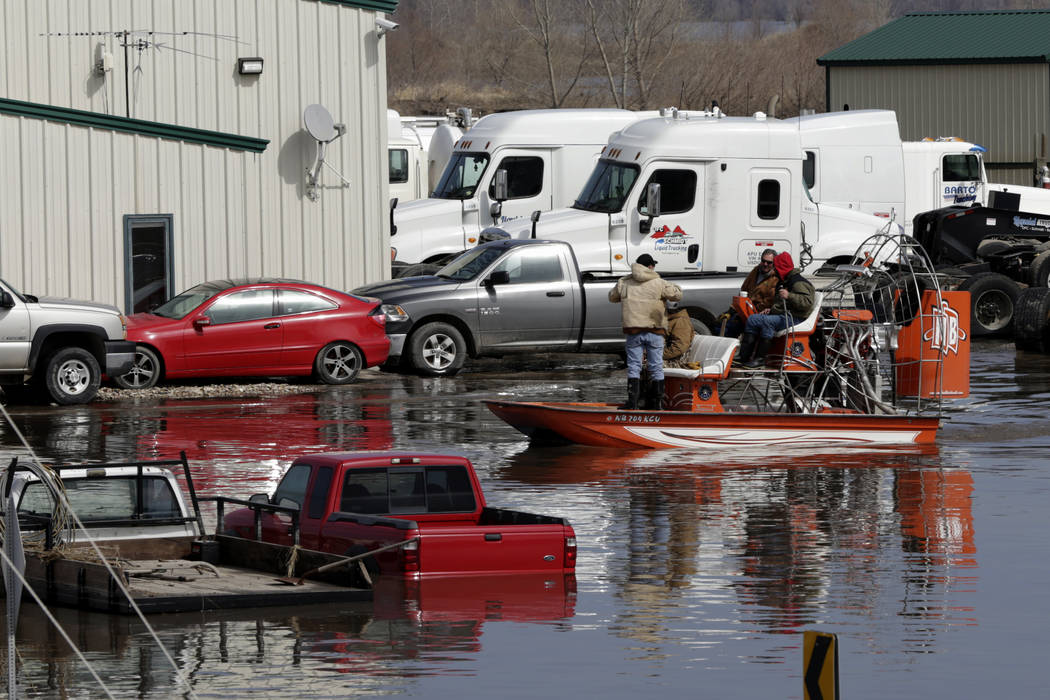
646 260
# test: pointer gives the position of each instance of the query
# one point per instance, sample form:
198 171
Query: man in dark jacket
795 296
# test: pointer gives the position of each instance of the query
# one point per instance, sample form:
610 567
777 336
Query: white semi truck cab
856 160
728 188
545 157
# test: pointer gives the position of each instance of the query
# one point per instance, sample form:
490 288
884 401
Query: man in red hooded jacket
795 296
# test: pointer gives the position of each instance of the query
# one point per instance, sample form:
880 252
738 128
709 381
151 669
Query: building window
768 199
677 191
148 277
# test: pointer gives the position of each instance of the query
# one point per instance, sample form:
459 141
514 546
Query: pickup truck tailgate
471 549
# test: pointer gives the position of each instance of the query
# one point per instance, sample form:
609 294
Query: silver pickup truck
59 347
518 295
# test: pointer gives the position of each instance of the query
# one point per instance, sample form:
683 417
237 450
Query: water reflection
409 631
688 562
256 429
787 537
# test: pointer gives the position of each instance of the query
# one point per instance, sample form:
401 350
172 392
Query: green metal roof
1018 36
379 5
110 122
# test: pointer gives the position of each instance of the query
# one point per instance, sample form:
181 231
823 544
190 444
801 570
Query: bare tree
545 22
634 38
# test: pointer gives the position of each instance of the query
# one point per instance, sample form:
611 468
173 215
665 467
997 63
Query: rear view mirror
6 300
495 209
201 322
259 498
288 503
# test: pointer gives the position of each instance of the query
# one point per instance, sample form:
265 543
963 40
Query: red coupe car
258 327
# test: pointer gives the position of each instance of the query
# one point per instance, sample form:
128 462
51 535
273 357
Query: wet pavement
698 571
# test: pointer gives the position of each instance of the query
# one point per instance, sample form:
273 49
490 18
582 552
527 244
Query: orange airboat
870 366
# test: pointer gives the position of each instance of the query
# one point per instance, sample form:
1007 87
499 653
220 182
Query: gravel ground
212 389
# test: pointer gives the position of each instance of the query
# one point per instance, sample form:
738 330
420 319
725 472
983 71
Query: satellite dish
321 126
319 123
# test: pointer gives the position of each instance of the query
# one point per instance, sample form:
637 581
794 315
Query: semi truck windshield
461 176
608 187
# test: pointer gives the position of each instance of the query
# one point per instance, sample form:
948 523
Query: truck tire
437 350
1039 270
338 363
72 376
1032 320
144 372
992 300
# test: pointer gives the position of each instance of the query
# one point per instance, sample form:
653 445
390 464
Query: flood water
698 571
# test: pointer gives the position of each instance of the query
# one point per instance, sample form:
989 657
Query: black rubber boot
656 395
633 387
747 347
761 348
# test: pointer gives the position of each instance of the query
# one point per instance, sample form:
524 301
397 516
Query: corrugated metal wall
66 188
1003 107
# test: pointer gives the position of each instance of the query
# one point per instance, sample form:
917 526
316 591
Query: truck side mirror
652 206
259 498
6 300
499 186
499 193
498 277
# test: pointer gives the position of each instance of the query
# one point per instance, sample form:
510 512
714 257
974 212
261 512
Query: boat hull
605 426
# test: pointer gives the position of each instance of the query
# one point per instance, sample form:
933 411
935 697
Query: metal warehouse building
143 151
981 76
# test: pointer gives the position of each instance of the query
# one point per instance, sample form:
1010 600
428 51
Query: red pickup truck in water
360 502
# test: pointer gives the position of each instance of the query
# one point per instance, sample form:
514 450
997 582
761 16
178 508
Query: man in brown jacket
643 295
760 285
679 335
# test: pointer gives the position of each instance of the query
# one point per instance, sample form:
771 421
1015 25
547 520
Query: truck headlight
394 313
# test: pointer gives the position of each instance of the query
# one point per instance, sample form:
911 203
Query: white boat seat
809 324
713 353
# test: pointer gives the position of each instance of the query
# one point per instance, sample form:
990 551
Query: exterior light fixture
249 66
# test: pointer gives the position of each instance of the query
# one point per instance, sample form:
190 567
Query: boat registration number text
634 419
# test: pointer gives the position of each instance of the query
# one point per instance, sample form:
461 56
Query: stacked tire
1032 320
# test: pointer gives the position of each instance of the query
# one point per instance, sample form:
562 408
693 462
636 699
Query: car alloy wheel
144 372
338 363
